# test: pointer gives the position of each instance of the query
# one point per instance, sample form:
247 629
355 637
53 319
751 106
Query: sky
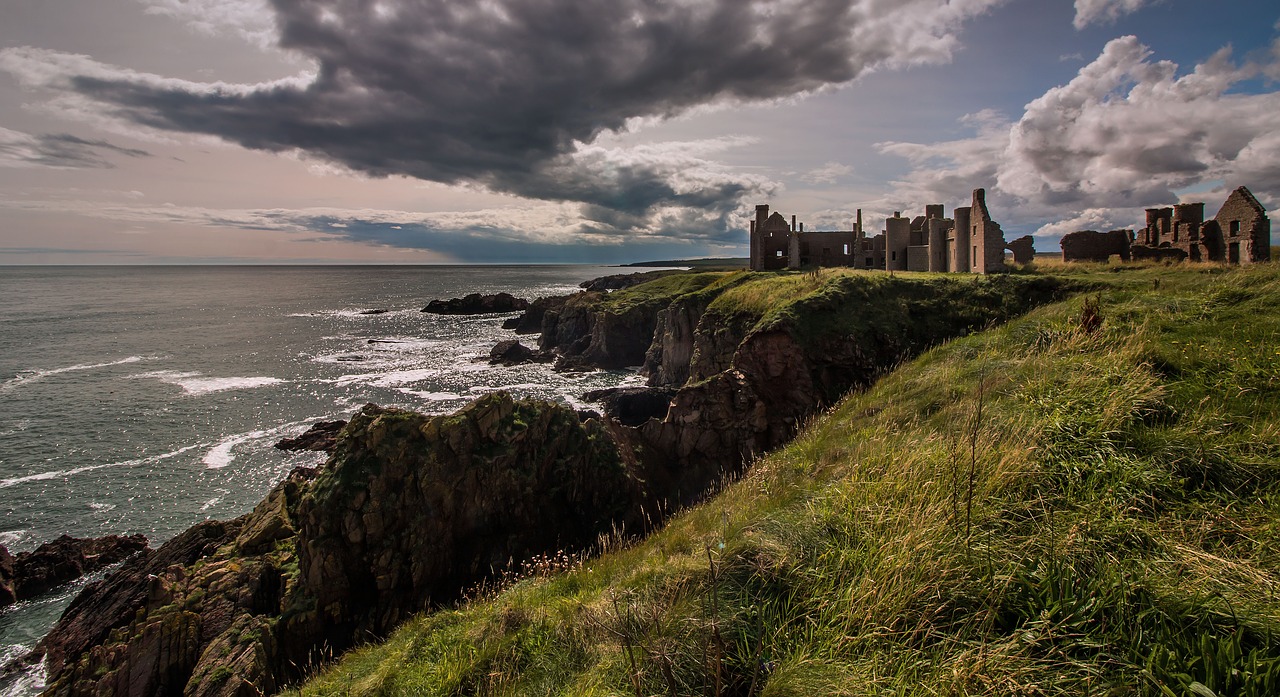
608 131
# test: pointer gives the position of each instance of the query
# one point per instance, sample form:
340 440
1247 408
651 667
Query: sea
147 399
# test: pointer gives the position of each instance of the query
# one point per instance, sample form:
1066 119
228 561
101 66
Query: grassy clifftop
1056 506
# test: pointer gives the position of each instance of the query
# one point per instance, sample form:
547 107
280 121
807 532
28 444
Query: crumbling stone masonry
1239 234
1091 245
930 242
775 244
1023 248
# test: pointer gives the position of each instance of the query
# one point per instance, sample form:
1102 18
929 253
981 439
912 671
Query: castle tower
758 249
897 237
958 242
986 238
938 229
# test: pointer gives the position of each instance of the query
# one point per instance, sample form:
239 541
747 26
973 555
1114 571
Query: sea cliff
410 511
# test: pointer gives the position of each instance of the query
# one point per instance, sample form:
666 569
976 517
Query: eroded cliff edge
406 513
410 510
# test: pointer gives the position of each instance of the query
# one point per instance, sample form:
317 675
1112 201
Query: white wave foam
402 344
26 376
470 366
29 680
56 474
223 452
12 538
221 455
394 378
196 384
101 507
433 396
211 503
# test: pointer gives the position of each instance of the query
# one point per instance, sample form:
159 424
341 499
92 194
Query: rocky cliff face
807 356
409 511
417 508
195 616
669 357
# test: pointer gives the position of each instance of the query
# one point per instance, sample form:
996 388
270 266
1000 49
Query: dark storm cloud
59 150
505 93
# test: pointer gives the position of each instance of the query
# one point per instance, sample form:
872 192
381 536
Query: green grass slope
1053 507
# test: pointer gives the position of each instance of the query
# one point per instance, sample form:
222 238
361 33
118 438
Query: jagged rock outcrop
8 594
531 320
593 330
620 339
669 358
321 437
29 574
408 512
198 610
418 507
512 352
477 304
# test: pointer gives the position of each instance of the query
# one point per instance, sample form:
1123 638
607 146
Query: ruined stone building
1239 234
968 242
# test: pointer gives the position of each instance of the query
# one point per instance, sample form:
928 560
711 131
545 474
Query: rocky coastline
27 575
410 511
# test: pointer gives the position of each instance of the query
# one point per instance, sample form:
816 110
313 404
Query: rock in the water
374 312
52 564
477 304
8 595
633 405
512 352
322 437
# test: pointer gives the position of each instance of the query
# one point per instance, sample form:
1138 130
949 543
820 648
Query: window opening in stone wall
1235 227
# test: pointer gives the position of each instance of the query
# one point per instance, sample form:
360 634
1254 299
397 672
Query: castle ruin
1239 234
968 242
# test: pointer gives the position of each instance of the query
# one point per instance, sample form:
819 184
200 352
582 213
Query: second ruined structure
1239 234
968 242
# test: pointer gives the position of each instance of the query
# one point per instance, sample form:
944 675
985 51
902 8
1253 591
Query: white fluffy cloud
1098 11
251 20
1127 132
